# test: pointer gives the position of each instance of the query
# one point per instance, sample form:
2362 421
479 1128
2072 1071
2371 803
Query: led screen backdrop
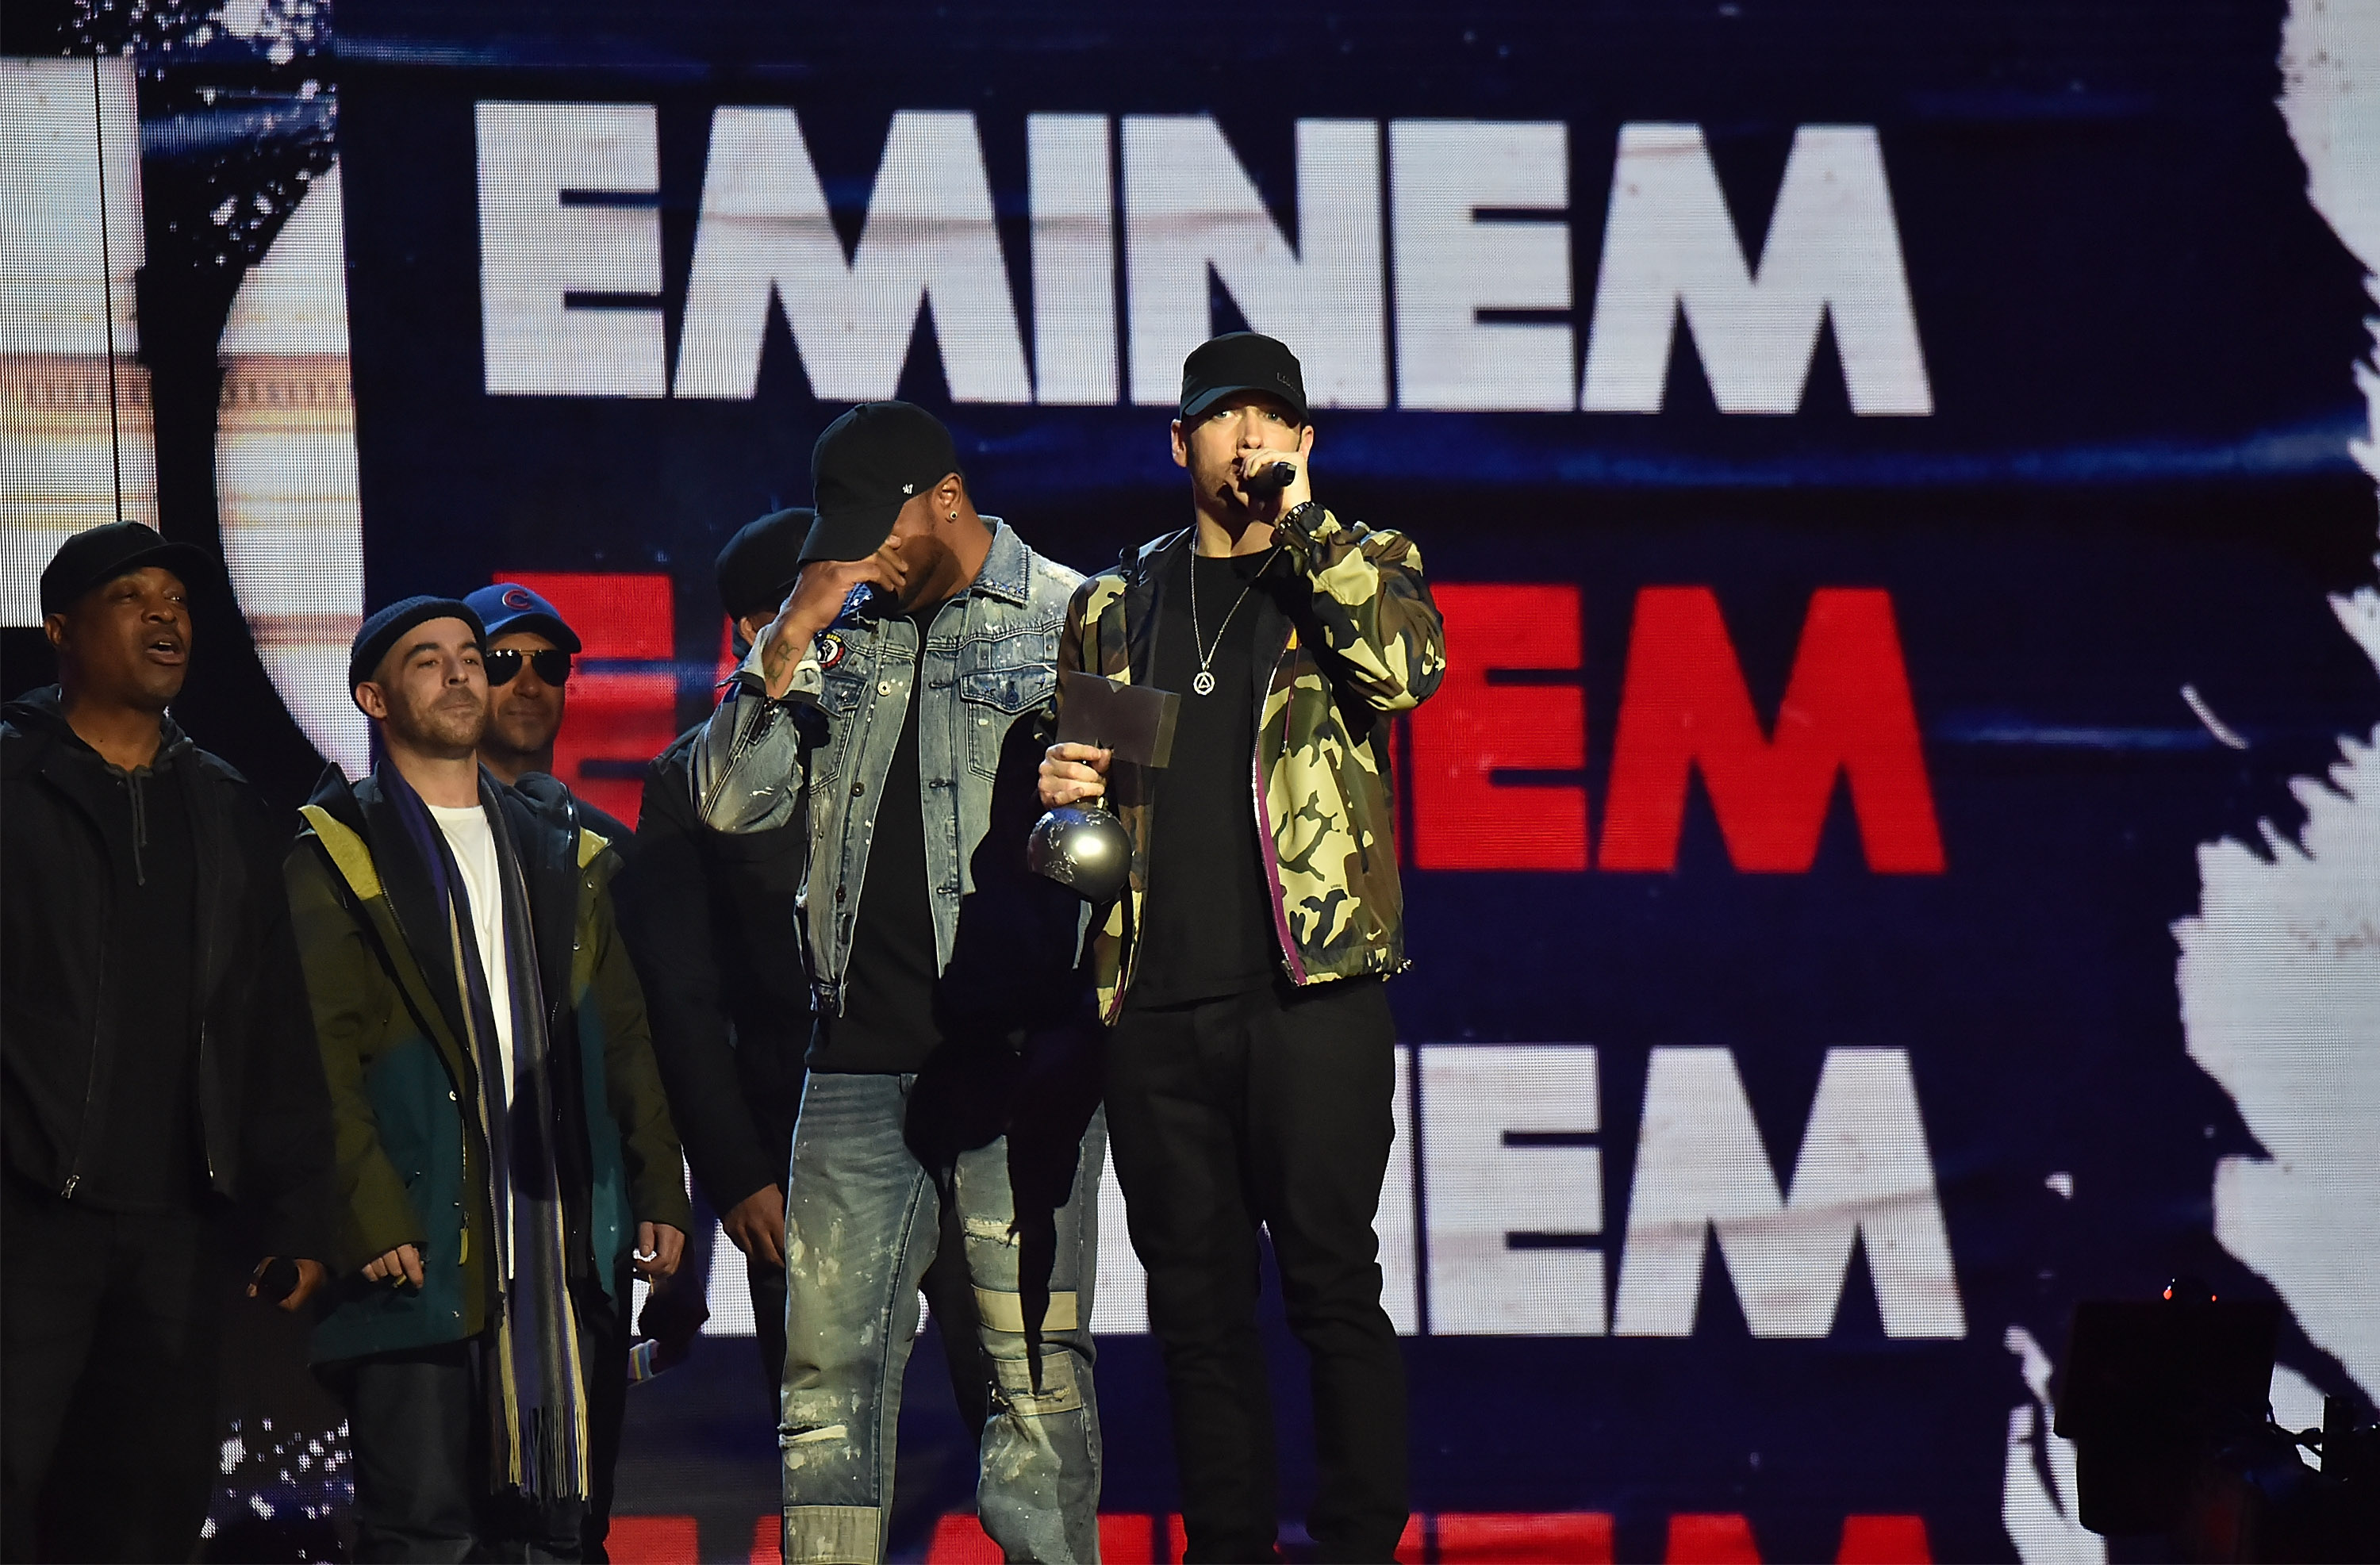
1898 851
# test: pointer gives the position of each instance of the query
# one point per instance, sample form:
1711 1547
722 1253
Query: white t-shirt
474 843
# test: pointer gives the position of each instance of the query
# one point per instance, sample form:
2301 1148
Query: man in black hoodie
709 918
159 1063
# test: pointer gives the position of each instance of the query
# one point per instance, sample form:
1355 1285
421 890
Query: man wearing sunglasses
527 656
528 653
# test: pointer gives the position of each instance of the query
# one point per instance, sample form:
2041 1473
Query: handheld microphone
277 1281
1271 479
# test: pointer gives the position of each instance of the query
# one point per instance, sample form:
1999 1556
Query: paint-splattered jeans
862 1218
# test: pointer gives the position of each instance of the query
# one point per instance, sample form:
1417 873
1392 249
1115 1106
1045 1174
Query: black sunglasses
503 665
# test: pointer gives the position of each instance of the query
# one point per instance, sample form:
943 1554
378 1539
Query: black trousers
415 1422
767 1285
109 1326
1270 1108
604 1344
677 1309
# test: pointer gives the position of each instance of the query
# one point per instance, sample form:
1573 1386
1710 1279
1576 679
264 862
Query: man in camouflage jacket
1251 1061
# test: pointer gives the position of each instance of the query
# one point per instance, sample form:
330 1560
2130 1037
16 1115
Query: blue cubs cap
508 607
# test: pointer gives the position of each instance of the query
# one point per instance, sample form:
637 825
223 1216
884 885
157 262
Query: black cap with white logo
508 606
1241 361
869 463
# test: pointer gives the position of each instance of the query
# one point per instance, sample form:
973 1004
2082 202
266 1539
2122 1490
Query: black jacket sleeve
285 1133
665 912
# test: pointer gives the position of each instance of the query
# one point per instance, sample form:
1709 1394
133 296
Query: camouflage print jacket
1350 636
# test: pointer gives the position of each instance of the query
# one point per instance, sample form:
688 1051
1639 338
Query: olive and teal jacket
411 1160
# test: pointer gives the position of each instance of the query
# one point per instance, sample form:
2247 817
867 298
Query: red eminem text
1684 708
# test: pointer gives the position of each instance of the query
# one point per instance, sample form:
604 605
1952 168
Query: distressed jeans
863 1217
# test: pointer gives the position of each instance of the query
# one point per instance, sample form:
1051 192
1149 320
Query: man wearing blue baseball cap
527 652
529 648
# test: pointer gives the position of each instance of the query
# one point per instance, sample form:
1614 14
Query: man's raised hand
816 599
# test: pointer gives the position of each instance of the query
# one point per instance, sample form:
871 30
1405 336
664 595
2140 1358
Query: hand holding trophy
1080 844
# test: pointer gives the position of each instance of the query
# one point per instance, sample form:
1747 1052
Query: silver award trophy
1084 846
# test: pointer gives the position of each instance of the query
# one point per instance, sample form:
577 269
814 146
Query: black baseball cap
98 555
869 463
508 606
1241 361
757 567
378 633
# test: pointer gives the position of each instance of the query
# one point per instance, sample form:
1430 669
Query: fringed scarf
533 1379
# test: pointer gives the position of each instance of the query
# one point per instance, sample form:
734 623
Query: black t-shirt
887 1025
1208 920
148 1156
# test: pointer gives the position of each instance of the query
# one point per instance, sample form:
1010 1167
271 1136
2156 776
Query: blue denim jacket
990 662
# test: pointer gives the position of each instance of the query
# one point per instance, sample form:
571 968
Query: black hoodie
264 1113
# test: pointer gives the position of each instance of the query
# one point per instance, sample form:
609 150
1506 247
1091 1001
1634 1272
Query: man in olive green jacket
502 1138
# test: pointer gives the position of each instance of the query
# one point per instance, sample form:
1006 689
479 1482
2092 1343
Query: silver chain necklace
1204 682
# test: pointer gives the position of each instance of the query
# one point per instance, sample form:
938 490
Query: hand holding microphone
1271 477
1274 480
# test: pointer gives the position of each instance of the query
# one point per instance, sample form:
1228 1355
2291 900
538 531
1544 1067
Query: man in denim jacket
898 705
